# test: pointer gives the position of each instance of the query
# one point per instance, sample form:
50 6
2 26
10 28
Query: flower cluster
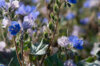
70 15
2 3
77 43
69 63
85 21
63 41
71 40
23 10
90 3
14 28
49 31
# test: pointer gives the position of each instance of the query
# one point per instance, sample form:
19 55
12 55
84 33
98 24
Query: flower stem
21 41
22 53
17 52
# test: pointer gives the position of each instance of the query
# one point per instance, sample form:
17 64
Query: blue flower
76 42
70 16
2 3
47 1
23 10
28 9
34 15
98 15
72 1
14 28
73 38
86 4
26 25
2 65
45 20
35 1
84 21
69 63
90 3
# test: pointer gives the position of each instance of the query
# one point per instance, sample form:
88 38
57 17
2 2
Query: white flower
76 30
31 32
94 3
95 49
44 10
9 36
15 4
69 63
2 45
63 41
5 22
28 19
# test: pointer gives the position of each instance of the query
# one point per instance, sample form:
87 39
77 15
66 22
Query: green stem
17 52
21 42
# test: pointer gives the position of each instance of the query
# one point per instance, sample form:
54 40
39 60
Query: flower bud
55 8
52 16
51 26
45 34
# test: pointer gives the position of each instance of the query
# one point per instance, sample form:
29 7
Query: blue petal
72 1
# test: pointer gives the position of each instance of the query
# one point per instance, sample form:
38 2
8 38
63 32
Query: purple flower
76 42
35 1
26 25
98 15
23 10
84 21
2 3
47 1
70 16
73 38
87 4
91 3
45 20
69 63
14 28
63 41
34 15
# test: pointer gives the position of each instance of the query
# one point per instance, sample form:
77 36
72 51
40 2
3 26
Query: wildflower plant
44 36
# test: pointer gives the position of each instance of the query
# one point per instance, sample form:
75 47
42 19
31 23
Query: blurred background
81 19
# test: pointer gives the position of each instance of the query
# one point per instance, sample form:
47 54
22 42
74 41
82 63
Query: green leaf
39 45
42 51
90 59
53 61
39 49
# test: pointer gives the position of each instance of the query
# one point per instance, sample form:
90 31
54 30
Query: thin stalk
51 43
47 50
22 49
22 53
17 52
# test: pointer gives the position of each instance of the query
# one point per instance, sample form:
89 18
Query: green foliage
83 63
53 61
56 8
90 59
39 49
52 16
51 26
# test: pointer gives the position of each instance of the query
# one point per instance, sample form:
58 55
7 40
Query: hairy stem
22 48
22 53
17 52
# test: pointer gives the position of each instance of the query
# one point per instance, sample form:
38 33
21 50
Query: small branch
22 53
10 61
17 52
21 41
